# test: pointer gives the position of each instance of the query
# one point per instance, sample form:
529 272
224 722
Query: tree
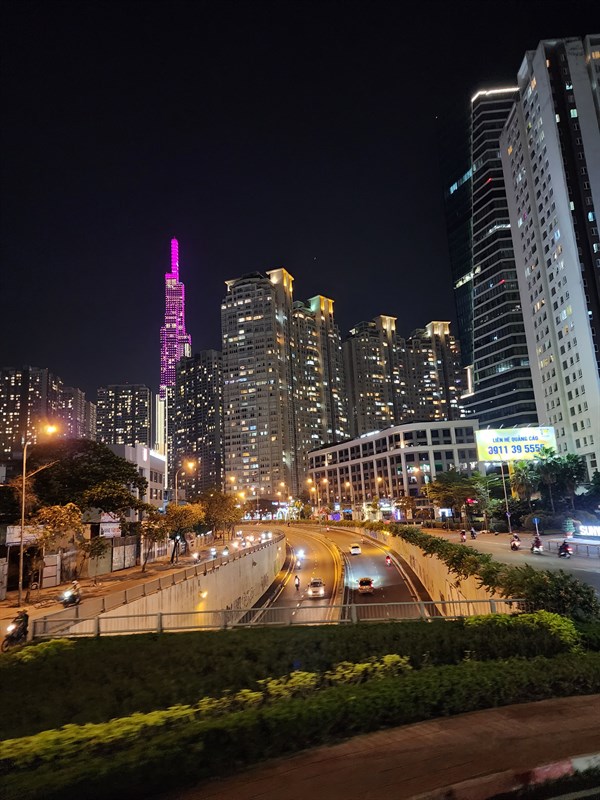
154 531
221 511
53 522
407 504
92 549
571 472
452 490
81 466
546 471
523 480
112 497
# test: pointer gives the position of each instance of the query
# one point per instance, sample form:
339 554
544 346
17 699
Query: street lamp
189 465
49 429
326 482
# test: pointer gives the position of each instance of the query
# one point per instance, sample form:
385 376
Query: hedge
552 590
93 680
143 754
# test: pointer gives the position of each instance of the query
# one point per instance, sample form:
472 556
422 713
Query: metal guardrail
60 621
582 549
347 613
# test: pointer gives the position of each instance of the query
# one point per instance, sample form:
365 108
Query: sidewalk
47 601
479 754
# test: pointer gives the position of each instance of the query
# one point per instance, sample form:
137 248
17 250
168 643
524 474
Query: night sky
260 134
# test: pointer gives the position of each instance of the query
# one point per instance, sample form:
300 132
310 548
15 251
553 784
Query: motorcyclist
565 548
537 543
22 623
388 560
76 588
297 582
473 533
515 542
463 536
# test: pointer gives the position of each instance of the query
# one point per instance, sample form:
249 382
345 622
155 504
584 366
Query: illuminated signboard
513 444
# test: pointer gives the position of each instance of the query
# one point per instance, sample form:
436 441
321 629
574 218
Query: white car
316 588
355 550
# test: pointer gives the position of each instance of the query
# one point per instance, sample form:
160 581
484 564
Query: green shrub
136 756
94 680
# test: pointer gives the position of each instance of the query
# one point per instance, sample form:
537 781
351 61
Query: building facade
30 399
390 464
77 415
198 421
124 415
502 385
150 465
551 157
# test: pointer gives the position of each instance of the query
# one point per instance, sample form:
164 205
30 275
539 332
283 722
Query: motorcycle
537 549
515 545
388 561
16 632
463 536
473 534
565 551
70 598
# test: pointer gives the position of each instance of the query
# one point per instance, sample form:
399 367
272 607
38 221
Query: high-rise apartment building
198 422
320 404
30 398
258 413
433 374
457 169
392 381
124 414
77 415
175 343
283 386
502 390
550 151
375 367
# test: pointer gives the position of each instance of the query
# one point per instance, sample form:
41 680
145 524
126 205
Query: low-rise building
391 464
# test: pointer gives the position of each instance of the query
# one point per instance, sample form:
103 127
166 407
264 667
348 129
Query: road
321 545
585 569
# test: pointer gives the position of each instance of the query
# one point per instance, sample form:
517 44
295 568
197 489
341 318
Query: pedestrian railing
66 624
582 549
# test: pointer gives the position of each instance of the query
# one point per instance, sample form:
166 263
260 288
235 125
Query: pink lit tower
174 344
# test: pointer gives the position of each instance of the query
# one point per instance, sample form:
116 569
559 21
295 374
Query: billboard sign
513 444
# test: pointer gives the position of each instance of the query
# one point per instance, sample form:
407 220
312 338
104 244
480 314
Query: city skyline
329 171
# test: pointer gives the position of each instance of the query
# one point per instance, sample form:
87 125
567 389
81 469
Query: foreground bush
93 680
139 755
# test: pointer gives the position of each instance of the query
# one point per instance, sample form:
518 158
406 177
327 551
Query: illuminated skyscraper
174 344
550 149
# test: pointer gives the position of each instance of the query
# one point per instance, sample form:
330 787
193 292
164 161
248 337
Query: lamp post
505 497
50 429
189 465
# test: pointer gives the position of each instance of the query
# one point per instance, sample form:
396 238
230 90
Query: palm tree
572 472
546 470
522 480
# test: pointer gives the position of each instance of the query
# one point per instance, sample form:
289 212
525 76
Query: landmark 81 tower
174 344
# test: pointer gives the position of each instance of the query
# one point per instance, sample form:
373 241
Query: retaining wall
227 583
